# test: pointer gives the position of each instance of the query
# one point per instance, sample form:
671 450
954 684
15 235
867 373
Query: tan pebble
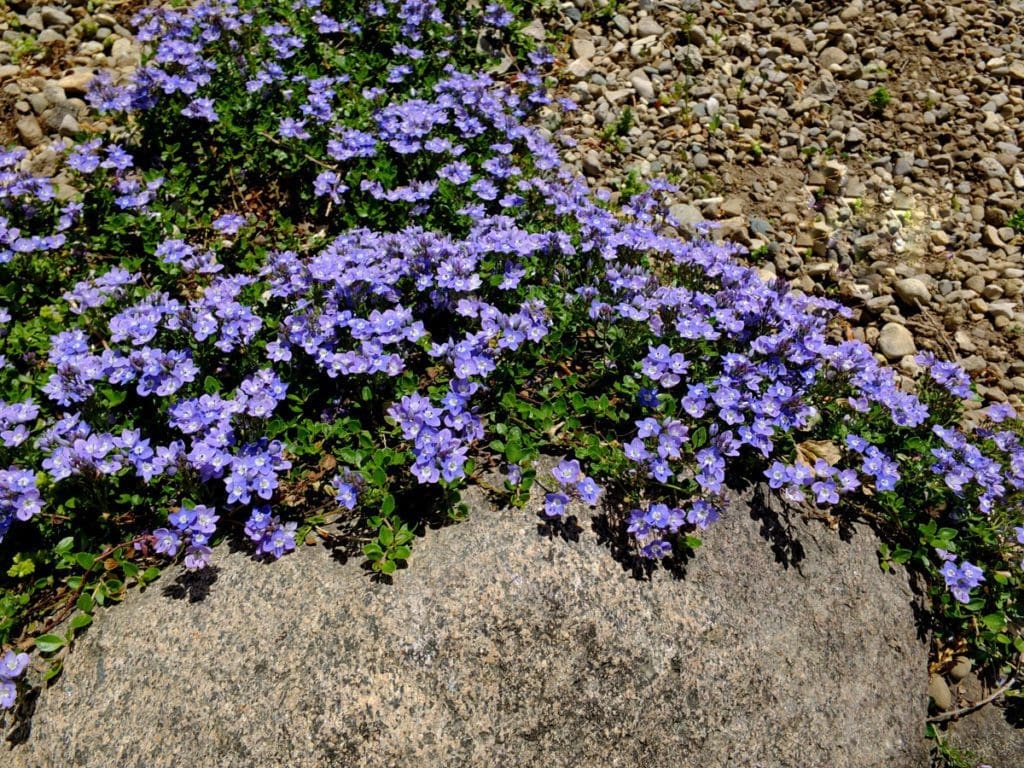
78 81
939 692
960 669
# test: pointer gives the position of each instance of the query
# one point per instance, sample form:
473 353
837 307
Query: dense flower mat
327 261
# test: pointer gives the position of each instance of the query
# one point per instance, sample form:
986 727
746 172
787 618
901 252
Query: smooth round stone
896 342
940 693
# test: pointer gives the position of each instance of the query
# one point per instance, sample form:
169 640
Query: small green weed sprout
879 99
1016 221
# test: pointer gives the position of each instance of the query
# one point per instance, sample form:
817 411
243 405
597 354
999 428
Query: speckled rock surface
499 646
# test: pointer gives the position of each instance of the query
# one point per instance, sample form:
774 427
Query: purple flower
12 664
856 443
589 491
183 518
648 397
497 16
290 128
636 450
657 516
825 492
567 472
201 108
702 514
778 474
279 541
961 579
260 518
999 412
554 504
346 494
657 549
205 521
228 223
8 694
514 474
167 542
638 524
197 557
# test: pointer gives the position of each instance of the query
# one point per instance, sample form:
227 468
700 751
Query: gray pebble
582 48
649 26
54 17
912 292
29 131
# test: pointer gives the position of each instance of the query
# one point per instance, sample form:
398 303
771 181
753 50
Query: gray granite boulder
505 645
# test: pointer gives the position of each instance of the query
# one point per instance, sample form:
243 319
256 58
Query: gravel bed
867 151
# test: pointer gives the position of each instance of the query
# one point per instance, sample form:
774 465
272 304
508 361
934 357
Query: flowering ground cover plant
330 262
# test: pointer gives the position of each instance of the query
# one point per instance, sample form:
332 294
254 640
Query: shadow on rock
21 727
567 529
192 585
776 528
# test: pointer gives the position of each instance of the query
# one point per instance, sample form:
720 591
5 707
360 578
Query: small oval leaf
50 643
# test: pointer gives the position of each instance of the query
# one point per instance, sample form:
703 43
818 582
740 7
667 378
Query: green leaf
386 536
211 386
403 535
996 622
113 397
901 555
388 566
699 438
80 621
379 477
916 444
84 603
514 453
373 551
55 669
22 568
85 560
387 506
50 643
64 546
401 553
